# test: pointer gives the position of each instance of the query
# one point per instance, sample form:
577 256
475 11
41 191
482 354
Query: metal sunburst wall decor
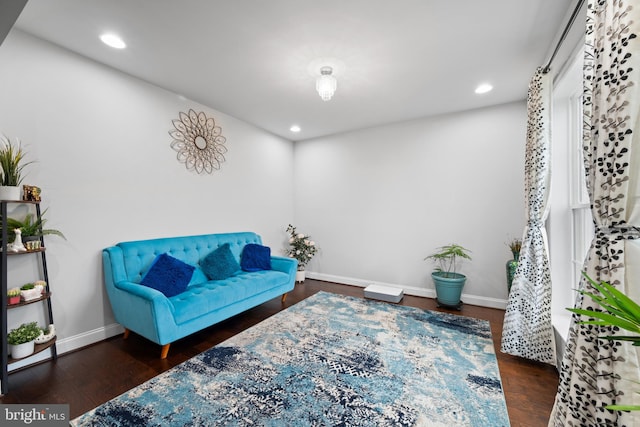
198 141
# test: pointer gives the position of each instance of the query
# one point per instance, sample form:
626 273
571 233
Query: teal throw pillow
255 257
220 264
168 275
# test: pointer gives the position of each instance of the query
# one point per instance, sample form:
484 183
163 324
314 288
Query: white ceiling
254 60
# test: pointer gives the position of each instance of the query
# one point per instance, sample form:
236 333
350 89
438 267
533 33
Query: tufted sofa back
138 255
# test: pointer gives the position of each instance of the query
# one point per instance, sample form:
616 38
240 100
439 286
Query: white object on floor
383 293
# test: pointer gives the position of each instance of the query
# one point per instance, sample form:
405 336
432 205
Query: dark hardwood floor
90 376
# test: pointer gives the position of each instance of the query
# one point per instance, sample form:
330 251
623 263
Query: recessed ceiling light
113 41
484 88
295 128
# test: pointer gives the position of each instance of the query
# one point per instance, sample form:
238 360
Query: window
570 226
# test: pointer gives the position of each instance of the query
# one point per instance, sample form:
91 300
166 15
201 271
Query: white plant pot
300 275
9 193
20 351
31 294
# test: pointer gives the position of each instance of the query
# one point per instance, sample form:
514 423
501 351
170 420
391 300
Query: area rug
329 360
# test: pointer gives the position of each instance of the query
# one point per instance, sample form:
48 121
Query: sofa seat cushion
204 298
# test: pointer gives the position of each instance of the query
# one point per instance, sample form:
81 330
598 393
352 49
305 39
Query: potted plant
514 245
302 248
447 280
12 164
31 291
13 296
22 339
31 226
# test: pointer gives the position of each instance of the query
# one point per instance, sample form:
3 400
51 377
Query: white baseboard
87 338
408 290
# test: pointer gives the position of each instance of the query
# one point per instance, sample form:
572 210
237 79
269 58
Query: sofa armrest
284 264
136 307
153 295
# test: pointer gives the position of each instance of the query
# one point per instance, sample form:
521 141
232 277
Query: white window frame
570 225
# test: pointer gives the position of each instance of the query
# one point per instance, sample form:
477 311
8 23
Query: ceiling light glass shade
326 84
113 41
484 88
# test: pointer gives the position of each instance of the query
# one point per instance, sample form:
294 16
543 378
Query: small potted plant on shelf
447 280
302 248
30 291
22 340
13 296
12 163
31 226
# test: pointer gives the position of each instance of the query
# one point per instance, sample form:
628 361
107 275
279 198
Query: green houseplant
515 245
447 280
302 248
32 227
22 339
12 162
13 296
620 311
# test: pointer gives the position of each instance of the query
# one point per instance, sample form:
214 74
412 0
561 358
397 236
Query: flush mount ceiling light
113 40
484 88
295 128
326 83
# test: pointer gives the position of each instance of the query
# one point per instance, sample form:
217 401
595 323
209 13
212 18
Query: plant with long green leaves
620 311
12 162
447 258
31 226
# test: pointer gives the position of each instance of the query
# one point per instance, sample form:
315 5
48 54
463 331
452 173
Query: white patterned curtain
596 372
527 329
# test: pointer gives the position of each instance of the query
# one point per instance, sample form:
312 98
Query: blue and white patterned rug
329 360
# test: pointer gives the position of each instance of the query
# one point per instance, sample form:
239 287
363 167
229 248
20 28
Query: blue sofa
161 319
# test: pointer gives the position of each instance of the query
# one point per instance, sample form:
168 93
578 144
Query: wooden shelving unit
44 300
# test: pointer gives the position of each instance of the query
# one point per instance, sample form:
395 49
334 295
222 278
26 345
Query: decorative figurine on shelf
31 193
17 245
47 335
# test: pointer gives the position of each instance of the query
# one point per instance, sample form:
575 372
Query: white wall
377 201
108 174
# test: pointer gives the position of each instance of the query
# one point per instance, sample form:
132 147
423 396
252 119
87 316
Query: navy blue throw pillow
220 263
255 257
168 275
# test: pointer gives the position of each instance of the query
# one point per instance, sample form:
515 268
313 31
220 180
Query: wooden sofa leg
165 351
126 333
284 297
